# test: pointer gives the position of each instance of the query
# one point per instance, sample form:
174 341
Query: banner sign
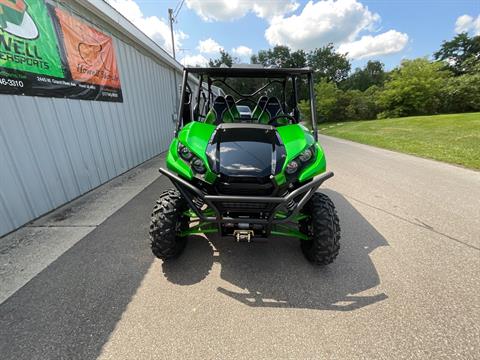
45 51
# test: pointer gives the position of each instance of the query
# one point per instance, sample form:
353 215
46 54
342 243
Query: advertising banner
45 51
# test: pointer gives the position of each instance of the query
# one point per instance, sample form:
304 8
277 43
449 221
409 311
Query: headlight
301 160
185 153
306 155
292 167
198 166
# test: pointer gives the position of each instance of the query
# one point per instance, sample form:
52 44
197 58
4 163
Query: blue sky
387 30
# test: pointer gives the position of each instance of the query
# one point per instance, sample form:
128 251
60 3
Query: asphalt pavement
406 284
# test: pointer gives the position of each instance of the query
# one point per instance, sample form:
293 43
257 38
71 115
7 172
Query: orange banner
90 53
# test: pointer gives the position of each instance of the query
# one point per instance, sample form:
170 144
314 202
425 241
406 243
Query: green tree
461 54
224 59
280 56
462 93
326 95
360 105
413 89
328 64
362 78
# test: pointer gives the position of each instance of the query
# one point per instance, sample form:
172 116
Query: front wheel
166 223
323 229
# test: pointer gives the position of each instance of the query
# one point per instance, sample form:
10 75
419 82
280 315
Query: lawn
452 138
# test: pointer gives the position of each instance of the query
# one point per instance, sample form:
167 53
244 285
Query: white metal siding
54 150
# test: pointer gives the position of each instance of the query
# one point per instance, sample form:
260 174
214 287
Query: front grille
245 186
232 206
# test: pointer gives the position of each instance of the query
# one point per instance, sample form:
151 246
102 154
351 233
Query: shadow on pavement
275 273
69 310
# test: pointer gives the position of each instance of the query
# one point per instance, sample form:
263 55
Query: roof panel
249 71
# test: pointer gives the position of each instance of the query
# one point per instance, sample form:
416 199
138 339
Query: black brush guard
298 198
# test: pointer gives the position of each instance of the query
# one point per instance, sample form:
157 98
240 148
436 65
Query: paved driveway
405 286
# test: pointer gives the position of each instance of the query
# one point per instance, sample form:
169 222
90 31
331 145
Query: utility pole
172 19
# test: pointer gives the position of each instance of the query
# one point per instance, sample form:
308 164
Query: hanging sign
45 51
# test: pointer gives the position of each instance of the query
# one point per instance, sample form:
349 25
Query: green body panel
195 136
317 167
297 138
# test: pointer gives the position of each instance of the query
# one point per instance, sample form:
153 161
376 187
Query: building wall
54 150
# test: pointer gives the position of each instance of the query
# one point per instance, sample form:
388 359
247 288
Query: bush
415 88
462 94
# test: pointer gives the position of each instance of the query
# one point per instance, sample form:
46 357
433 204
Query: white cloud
321 23
226 10
389 42
242 51
340 22
467 23
155 28
209 46
194 60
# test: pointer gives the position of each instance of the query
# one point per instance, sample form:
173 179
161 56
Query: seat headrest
262 101
219 100
230 100
273 106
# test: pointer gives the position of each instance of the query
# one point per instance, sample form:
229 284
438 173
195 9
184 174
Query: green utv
246 175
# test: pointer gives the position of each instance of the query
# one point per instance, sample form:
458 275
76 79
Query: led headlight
292 167
198 166
306 155
185 153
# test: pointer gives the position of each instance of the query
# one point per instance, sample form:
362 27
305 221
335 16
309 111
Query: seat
259 107
232 107
272 108
217 111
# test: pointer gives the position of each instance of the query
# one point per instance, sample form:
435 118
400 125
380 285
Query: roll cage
211 80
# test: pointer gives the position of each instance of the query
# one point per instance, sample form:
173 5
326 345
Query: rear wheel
323 229
167 222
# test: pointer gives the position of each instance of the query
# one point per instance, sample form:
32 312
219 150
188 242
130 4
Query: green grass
452 138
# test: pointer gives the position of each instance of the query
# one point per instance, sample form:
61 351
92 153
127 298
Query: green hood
196 136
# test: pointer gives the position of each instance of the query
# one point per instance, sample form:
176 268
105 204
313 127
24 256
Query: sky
385 30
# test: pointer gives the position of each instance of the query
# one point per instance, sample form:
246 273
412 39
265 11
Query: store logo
15 19
91 54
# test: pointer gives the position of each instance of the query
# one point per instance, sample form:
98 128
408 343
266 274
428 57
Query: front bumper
290 204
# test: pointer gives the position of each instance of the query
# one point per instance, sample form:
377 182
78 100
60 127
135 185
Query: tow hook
243 235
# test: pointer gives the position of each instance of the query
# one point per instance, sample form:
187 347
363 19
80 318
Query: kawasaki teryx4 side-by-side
246 174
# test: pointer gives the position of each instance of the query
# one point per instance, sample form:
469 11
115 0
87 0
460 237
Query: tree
326 96
460 54
372 74
225 59
413 89
328 64
325 61
462 93
360 105
280 56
